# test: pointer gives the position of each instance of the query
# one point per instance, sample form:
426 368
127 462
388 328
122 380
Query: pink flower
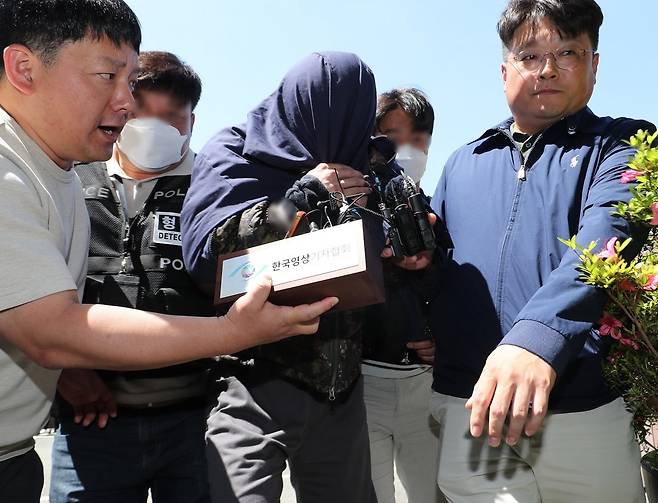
609 252
630 175
609 325
652 282
654 210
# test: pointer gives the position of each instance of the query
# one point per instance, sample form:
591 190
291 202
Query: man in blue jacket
518 346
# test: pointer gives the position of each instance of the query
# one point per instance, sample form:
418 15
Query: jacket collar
583 121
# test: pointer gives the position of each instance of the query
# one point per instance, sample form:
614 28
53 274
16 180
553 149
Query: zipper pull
332 394
521 173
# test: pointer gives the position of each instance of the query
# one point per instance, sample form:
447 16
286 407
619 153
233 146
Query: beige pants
402 432
578 457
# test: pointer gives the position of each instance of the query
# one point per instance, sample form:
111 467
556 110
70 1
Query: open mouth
112 132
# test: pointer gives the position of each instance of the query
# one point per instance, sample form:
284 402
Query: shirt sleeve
438 199
557 320
32 265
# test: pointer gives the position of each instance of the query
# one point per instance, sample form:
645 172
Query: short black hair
45 25
165 72
410 100
571 17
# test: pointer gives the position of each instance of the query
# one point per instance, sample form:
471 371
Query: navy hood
323 111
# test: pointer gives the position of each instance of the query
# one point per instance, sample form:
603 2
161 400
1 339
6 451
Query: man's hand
424 350
88 395
256 321
417 262
342 178
513 381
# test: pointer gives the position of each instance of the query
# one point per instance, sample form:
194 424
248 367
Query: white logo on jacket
166 229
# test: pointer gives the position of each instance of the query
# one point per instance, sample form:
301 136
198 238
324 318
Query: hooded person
304 401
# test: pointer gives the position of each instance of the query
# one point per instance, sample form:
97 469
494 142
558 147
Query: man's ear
19 66
595 64
503 71
192 122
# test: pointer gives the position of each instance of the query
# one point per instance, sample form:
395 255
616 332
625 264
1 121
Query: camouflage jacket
327 362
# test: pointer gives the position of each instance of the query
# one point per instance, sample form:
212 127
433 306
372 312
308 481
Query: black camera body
400 202
410 231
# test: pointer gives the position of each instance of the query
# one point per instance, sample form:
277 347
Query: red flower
629 342
627 285
609 325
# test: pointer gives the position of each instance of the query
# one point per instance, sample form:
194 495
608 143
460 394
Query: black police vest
138 263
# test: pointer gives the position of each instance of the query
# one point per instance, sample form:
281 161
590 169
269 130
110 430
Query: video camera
403 207
395 199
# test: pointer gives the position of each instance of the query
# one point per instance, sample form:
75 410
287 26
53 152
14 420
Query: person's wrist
227 336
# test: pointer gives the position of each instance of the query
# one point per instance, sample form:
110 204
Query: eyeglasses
566 58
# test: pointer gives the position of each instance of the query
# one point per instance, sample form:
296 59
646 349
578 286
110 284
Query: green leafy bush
631 315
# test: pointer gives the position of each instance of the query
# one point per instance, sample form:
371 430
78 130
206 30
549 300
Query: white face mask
412 160
151 144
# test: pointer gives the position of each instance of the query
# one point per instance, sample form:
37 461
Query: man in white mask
407 117
398 350
148 424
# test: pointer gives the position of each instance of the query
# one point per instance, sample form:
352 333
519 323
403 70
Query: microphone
419 209
396 196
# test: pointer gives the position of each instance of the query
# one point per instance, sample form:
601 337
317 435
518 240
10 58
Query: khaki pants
402 431
578 457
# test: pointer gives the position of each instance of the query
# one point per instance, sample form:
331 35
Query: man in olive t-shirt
44 228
